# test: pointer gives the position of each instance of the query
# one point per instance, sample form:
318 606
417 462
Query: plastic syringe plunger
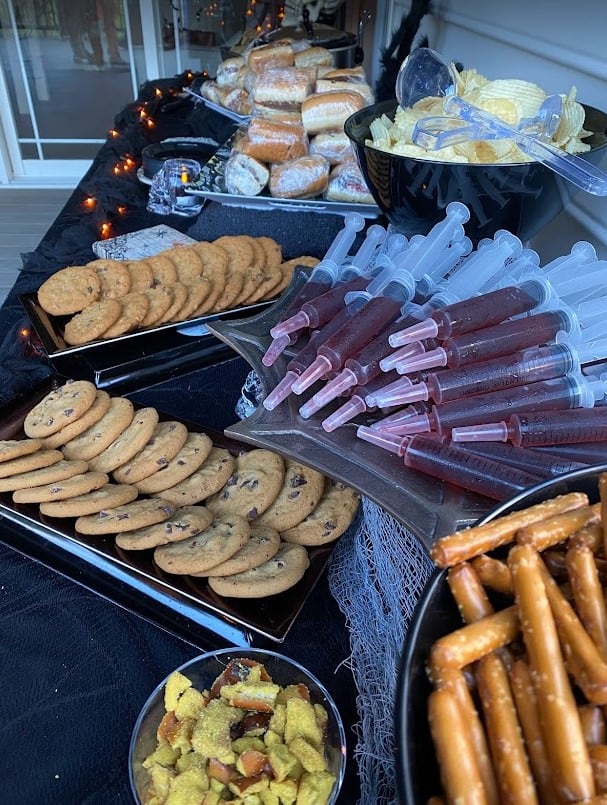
567 265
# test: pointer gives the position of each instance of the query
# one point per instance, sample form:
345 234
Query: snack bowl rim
432 598
155 701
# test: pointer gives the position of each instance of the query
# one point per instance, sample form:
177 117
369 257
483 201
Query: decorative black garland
108 199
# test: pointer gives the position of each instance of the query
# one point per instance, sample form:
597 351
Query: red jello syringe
572 391
445 461
494 342
321 278
532 429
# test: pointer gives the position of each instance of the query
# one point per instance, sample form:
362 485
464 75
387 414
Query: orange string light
90 202
105 229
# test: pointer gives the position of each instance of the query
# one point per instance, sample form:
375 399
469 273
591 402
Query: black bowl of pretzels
513 616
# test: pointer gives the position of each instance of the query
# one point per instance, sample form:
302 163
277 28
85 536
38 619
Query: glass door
67 67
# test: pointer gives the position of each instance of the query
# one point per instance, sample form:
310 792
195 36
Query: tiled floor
25 216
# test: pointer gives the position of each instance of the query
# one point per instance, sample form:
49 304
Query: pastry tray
210 185
135 359
429 508
182 605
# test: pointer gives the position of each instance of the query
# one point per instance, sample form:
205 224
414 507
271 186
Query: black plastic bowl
435 615
414 193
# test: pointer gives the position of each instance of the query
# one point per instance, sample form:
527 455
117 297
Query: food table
81 654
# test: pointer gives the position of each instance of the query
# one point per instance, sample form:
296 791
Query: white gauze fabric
377 573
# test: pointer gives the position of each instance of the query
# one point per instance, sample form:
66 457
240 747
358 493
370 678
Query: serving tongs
439 131
425 73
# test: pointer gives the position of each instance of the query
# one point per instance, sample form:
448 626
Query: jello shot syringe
441 459
540 429
516 369
512 336
384 299
560 393
533 290
321 278
353 276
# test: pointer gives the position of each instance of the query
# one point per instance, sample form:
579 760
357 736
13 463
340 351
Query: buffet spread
436 373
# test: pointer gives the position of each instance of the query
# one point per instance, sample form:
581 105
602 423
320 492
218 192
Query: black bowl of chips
413 193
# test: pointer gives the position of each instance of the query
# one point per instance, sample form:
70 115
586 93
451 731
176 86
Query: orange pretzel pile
517 712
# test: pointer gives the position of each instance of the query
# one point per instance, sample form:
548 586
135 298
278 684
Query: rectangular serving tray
183 605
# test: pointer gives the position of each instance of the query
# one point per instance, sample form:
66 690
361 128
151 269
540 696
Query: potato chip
524 96
511 99
571 123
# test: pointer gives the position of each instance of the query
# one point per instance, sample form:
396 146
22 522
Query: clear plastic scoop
438 131
571 167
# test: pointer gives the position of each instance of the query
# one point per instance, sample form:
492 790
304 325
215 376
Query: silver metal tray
211 185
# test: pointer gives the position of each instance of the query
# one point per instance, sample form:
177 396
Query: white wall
557 46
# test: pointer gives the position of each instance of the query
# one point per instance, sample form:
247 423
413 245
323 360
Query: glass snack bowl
436 615
202 671
414 193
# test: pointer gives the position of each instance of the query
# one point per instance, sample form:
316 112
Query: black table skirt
76 667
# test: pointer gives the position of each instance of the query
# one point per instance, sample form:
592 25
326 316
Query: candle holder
168 191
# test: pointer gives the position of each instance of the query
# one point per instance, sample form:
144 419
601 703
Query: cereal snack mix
244 739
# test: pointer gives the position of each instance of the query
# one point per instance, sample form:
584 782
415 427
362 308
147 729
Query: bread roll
281 88
235 99
304 177
329 110
245 176
274 141
346 183
347 74
337 84
229 71
314 57
332 145
274 54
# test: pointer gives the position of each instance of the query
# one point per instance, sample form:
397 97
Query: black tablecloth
76 666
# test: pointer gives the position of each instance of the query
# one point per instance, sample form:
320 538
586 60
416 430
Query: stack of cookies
109 298
244 522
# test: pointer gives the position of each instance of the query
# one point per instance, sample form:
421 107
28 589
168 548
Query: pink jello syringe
384 298
353 276
495 341
321 278
533 429
561 393
535 363
524 458
445 461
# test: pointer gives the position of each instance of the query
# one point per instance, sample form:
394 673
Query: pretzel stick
590 535
468 592
598 758
525 701
470 542
459 772
455 681
583 658
471 642
493 573
565 746
593 724
553 530
510 761
588 595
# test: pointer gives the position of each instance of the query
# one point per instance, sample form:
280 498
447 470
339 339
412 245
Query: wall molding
551 51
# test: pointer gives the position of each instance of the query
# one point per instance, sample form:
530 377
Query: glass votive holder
168 191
